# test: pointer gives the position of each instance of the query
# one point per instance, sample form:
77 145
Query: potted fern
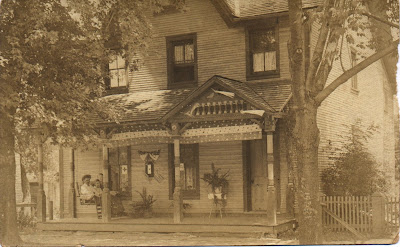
144 208
218 183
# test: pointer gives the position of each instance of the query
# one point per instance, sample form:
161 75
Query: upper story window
182 61
262 53
117 72
117 82
354 81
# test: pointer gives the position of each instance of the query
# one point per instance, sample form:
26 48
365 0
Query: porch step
166 228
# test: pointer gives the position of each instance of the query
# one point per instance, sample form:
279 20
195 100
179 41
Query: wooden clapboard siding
158 188
225 155
220 50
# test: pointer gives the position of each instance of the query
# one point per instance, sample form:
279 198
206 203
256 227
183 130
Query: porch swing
88 202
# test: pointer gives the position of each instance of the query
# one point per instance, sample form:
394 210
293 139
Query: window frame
250 75
187 195
127 194
171 42
353 61
118 89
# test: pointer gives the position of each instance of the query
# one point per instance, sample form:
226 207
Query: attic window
263 53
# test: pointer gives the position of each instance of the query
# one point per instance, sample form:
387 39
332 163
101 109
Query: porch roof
154 105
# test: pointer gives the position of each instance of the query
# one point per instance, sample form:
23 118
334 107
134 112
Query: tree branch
319 48
380 19
353 71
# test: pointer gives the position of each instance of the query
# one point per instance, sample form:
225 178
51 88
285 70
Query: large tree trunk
306 135
8 229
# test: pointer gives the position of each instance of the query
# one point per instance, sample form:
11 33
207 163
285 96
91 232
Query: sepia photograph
199 122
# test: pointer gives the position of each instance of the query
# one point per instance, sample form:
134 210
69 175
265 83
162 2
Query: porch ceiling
156 105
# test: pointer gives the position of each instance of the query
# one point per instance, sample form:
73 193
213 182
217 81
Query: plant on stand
218 183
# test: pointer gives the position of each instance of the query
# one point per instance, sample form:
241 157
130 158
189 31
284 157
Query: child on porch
97 197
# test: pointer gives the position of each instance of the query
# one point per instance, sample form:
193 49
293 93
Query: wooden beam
61 173
271 192
72 195
178 197
41 197
105 197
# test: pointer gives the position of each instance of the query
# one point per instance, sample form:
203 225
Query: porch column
72 196
105 198
41 197
271 193
178 198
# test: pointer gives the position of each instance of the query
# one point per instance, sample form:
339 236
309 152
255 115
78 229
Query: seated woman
87 193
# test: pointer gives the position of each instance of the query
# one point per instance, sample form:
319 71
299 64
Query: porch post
105 198
41 197
178 198
271 193
72 195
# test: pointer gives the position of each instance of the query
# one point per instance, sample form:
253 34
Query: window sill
117 90
256 76
180 85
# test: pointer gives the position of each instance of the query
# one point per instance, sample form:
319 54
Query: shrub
25 220
354 170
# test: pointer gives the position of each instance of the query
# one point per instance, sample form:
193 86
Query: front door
258 176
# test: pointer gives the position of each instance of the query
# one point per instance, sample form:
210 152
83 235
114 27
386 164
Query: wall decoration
149 158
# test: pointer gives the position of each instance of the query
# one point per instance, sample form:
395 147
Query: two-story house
215 89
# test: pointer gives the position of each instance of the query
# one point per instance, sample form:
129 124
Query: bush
25 220
354 170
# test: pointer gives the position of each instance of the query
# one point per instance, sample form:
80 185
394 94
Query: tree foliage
353 171
52 60
338 21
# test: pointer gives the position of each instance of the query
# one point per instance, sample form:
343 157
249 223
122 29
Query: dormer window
262 53
117 70
117 81
182 61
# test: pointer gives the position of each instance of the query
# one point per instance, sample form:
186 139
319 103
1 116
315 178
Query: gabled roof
160 105
262 7
235 11
242 89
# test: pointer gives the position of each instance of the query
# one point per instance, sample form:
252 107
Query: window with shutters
262 53
182 61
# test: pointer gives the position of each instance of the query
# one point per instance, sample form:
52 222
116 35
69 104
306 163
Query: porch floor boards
229 224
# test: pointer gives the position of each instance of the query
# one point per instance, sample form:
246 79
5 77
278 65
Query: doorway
256 177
